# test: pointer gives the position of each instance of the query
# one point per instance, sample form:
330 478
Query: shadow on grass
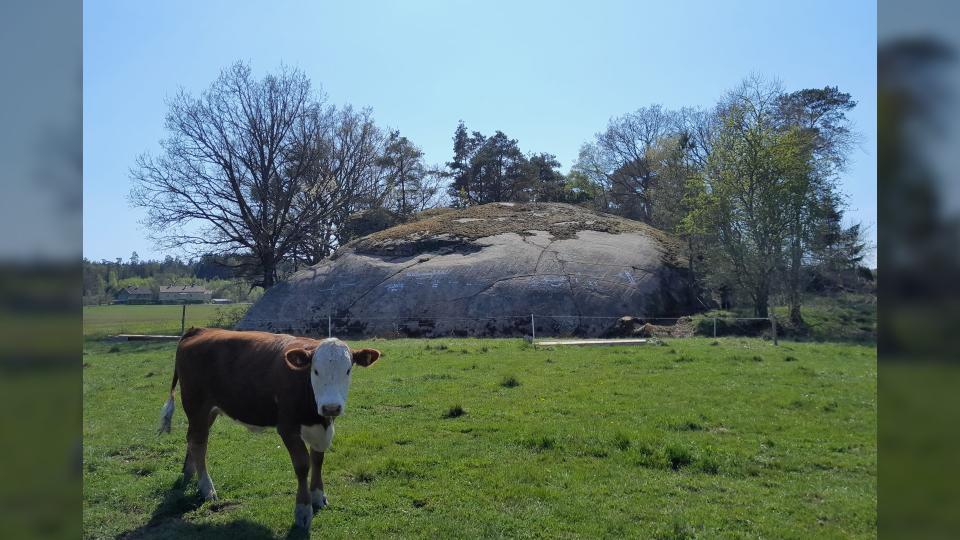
167 522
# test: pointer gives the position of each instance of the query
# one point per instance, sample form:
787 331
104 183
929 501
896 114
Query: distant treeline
103 279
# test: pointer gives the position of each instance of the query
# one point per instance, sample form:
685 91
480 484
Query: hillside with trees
264 176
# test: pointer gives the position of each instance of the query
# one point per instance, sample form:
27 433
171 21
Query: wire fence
532 325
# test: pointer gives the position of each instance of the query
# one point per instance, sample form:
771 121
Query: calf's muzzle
331 409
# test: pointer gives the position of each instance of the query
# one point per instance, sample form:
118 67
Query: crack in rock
498 281
388 278
536 267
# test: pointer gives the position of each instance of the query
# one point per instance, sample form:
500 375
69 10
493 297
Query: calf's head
330 365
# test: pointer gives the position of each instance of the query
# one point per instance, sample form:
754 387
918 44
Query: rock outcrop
482 271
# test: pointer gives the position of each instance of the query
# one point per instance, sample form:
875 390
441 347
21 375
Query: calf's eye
348 369
315 372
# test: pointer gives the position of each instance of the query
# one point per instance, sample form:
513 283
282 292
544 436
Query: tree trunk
269 273
760 308
761 297
794 295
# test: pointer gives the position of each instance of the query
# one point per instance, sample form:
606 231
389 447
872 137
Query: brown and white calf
263 380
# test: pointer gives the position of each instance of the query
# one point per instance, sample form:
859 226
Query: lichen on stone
451 229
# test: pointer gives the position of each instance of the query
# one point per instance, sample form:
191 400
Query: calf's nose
331 410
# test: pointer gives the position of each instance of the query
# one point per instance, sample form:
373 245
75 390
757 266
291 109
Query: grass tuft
688 425
678 456
510 382
678 531
621 441
540 443
363 476
455 411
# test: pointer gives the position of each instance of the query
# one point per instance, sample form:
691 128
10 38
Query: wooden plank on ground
589 342
143 337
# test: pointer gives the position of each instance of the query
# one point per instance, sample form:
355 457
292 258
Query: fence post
773 322
714 328
183 320
533 329
329 326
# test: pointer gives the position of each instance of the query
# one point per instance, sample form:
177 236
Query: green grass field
692 439
102 321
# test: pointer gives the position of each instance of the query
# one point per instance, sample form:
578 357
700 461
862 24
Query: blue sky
549 74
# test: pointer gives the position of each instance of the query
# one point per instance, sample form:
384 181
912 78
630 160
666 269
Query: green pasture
102 321
450 438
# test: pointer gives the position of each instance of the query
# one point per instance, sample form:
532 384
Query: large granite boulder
482 271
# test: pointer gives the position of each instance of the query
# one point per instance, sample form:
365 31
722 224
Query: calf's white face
330 376
331 366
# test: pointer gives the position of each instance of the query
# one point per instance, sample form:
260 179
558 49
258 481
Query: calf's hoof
302 516
207 490
318 499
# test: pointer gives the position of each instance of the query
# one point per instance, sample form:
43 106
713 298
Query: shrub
228 317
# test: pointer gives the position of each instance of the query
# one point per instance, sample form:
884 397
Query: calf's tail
168 407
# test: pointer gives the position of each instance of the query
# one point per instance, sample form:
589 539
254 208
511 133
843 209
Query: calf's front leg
303 511
316 480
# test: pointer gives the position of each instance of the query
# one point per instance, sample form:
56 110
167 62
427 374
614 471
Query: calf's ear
365 357
298 359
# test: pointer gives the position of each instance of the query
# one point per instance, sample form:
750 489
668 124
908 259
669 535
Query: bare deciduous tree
232 172
344 175
618 159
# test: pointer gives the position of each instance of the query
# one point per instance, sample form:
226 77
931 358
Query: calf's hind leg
189 469
198 432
